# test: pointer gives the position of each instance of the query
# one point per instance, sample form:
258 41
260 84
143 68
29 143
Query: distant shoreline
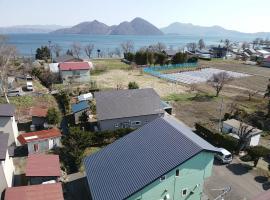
28 43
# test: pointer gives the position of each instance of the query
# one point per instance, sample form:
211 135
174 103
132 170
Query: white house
8 123
234 127
75 71
6 164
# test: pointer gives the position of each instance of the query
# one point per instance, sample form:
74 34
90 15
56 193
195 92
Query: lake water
28 43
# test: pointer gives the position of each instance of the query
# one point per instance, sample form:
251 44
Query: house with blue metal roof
78 109
161 160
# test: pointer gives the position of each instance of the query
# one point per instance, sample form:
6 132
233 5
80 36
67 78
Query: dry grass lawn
258 81
114 78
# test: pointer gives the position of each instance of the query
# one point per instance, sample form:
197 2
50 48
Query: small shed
233 127
41 141
39 115
85 97
78 109
42 168
40 192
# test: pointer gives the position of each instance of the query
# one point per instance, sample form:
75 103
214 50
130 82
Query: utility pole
220 115
50 47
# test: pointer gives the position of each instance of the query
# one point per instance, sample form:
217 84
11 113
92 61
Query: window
136 123
76 73
177 172
54 142
36 147
162 178
184 192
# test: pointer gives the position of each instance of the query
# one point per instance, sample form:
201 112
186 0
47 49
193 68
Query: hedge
216 139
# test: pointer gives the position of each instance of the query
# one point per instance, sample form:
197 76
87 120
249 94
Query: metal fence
155 70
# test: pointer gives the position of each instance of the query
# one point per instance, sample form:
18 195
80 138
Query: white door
50 144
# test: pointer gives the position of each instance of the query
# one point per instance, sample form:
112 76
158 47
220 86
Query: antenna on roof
225 191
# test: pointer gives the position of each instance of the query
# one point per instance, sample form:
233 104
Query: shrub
133 85
246 158
43 53
160 58
192 60
257 152
179 58
129 56
53 116
141 58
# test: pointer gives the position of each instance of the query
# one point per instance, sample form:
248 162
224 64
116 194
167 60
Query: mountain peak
137 26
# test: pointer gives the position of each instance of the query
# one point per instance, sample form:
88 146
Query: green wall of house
191 177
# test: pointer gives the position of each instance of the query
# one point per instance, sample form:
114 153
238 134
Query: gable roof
72 66
37 192
80 106
136 160
43 165
3 145
38 135
7 110
127 103
38 112
237 125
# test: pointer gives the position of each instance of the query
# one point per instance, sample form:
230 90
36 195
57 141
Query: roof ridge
191 135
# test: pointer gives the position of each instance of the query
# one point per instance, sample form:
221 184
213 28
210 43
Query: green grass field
110 64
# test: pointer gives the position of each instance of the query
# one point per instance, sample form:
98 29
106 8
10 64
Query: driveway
244 182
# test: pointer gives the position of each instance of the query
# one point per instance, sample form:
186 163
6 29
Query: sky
241 15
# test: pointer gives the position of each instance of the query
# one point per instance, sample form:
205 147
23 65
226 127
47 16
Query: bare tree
228 45
118 52
244 134
57 50
6 54
88 49
191 46
201 44
159 47
217 81
76 49
245 45
127 46
251 93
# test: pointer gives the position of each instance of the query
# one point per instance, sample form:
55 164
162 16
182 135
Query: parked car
28 78
224 156
14 93
29 85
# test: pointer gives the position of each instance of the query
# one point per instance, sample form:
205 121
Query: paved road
244 182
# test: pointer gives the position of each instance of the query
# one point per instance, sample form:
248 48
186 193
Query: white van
29 85
14 93
224 156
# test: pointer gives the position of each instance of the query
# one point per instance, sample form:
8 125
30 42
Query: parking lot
244 182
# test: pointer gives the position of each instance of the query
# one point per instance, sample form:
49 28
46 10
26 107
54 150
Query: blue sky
242 15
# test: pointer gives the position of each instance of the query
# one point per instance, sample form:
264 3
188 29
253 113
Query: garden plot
199 76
